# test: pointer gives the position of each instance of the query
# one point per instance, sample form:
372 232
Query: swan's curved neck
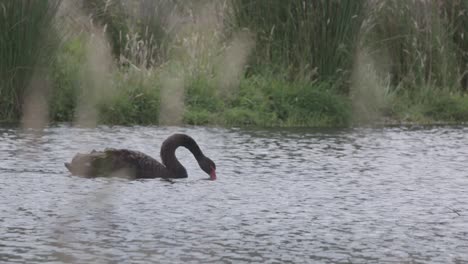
169 147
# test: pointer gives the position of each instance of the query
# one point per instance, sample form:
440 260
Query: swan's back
116 162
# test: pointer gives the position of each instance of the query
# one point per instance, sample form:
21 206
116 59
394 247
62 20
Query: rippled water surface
282 196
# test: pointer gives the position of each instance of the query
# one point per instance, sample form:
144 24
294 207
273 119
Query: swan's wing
116 162
88 165
144 166
101 163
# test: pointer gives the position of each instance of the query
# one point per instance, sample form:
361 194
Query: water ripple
283 196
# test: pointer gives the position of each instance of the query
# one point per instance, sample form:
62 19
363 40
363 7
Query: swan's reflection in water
363 195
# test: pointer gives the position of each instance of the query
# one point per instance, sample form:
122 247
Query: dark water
339 196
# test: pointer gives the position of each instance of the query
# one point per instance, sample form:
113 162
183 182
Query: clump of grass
203 103
435 106
199 116
135 101
272 101
26 41
311 104
66 73
202 93
452 108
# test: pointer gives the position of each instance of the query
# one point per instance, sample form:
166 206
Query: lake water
363 195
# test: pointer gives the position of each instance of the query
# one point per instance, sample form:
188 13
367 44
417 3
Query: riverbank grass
237 63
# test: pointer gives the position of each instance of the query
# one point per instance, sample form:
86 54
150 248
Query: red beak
213 174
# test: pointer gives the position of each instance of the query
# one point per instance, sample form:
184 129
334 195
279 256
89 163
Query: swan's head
208 166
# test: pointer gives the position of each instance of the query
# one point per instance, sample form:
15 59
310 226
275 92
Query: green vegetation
239 62
27 42
311 39
269 101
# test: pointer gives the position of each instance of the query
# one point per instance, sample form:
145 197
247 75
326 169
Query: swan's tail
68 165
80 164
88 165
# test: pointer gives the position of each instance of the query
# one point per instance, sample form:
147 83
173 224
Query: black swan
135 164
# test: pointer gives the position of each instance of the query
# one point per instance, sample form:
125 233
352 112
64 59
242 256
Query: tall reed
25 43
313 39
137 30
415 42
112 16
456 14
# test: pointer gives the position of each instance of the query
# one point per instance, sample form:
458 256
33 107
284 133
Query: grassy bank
259 99
242 63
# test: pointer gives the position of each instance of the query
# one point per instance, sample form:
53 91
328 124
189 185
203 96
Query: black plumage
135 164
